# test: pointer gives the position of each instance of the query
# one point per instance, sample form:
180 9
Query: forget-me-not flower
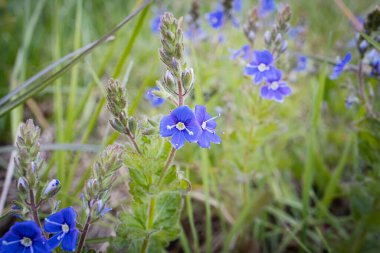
261 67
24 237
208 126
62 225
275 88
154 99
237 5
182 125
339 67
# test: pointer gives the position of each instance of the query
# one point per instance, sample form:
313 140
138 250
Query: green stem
34 209
169 161
149 223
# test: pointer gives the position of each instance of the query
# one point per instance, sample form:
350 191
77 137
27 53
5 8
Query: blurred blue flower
261 67
24 237
244 52
154 99
275 88
350 100
237 5
208 126
62 225
182 125
195 33
155 24
339 67
266 6
215 19
301 63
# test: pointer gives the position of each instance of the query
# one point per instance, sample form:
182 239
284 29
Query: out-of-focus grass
279 167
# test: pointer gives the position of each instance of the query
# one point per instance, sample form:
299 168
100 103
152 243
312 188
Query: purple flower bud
267 37
22 185
363 46
284 46
278 38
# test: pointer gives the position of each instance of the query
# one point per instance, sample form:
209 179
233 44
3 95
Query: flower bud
102 209
267 37
132 125
22 185
188 78
284 46
51 188
169 79
363 46
278 39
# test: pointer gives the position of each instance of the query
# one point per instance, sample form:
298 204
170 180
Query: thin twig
8 180
84 233
350 16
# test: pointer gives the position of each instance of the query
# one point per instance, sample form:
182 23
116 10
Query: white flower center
180 126
204 125
262 67
274 86
65 228
27 242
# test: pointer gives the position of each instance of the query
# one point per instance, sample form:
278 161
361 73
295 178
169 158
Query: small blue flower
195 33
339 67
373 58
24 237
350 100
261 67
266 6
208 126
237 5
155 24
182 125
215 19
301 63
275 88
62 225
244 52
154 99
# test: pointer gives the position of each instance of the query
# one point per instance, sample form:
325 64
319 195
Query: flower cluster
183 124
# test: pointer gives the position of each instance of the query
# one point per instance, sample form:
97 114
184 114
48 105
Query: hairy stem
134 143
168 162
149 223
84 233
34 210
180 92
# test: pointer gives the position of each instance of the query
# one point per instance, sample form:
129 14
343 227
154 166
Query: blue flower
155 24
275 88
237 5
62 225
24 237
208 126
261 67
339 67
182 125
301 64
154 99
215 19
244 52
195 33
102 209
373 57
266 6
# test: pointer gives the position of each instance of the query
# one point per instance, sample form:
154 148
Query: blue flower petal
203 140
53 223
194 128
285 90
259 76
264 57
183 114
69 216
55 240
41 247
215 19
26 229
165 122
70 240
178 140
250 70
